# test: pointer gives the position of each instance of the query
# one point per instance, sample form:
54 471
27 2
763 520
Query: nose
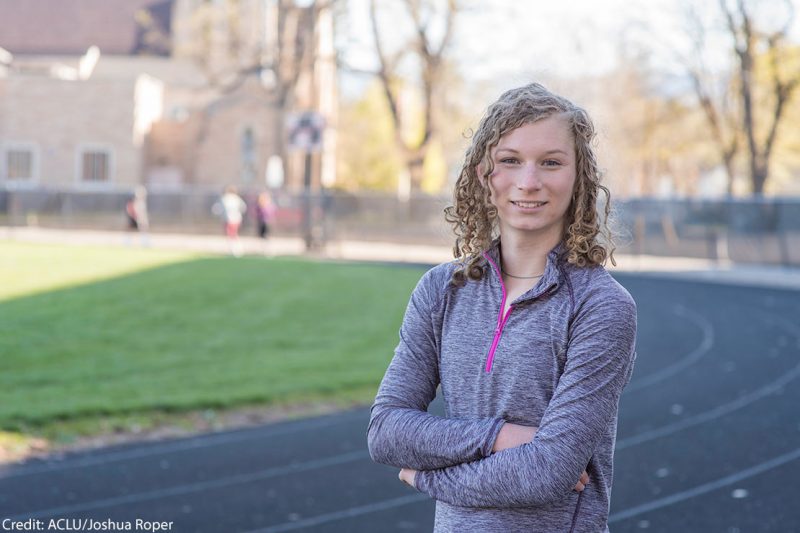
529 178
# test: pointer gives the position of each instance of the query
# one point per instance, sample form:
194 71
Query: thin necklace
520 277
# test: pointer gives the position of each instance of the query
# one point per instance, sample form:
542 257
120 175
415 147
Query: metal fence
753 230
758 230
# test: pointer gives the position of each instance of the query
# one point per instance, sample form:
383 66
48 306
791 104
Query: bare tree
714 99
430 57
293 53
229 56
744 110
747 41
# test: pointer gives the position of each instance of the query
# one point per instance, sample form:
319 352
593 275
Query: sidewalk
675 267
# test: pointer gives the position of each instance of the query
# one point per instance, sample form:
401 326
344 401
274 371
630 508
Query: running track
708 441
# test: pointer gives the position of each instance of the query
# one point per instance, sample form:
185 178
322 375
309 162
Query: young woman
529 337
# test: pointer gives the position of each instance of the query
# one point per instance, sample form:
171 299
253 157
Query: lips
527 205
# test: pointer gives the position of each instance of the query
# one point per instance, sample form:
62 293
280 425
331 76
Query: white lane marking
707 416
706 487
634 511
346 513
772 387
692 357
188 488
191 443
721 410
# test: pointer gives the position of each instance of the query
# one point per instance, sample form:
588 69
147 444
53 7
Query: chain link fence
754 230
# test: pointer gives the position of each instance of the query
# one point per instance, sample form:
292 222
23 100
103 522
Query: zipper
501 320
498 332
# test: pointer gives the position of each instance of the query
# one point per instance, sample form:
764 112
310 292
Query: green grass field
92 333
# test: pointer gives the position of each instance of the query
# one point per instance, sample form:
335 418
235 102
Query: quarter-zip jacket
558 359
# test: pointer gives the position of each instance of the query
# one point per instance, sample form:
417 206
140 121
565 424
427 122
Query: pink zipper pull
501 320
496 340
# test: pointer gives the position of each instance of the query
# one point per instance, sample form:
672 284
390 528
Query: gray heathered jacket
558 360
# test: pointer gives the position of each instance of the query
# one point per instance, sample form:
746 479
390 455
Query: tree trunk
431 64
760 171
727 161
415 166
279 142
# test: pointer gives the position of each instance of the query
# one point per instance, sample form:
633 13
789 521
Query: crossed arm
510 436
488 462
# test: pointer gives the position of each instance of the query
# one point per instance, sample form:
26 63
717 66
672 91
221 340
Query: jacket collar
551 279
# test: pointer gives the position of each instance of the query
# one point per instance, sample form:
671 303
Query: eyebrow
549 152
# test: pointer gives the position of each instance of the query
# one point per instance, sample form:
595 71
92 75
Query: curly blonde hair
587 239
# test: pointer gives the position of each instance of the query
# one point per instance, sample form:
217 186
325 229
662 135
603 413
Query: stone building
107 94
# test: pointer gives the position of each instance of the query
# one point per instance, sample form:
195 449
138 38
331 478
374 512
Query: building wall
60 116
167 152
218 151
187 133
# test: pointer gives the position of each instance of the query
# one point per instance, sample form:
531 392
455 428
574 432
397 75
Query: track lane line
346 513
189 443
706 487
724 409
179 490
688 360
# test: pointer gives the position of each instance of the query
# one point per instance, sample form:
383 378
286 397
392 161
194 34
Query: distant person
529 337
265 210
136 212
231 207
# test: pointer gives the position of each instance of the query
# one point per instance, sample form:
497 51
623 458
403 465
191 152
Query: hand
513 435
582 482
407 476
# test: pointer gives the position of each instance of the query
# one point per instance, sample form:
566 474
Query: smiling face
533 179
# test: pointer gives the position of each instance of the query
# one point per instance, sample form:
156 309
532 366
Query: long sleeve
584 405
401 433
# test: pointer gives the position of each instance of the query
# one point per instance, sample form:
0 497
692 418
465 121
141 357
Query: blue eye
551 163
509 160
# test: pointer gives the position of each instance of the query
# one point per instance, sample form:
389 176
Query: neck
523 257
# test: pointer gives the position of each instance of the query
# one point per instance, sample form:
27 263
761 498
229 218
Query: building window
19 164
19 161
95 166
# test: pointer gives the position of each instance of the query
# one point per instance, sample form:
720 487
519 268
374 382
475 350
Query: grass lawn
88 334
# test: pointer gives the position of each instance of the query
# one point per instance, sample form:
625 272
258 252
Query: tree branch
782 90
384 73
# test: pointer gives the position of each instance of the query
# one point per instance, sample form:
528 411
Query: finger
584 478
579 487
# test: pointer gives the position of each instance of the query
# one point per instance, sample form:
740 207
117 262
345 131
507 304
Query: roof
71 26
